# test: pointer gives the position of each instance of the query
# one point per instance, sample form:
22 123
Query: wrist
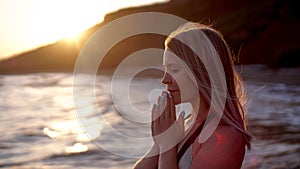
166 148
154 150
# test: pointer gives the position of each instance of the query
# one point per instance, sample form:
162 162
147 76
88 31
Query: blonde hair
212 47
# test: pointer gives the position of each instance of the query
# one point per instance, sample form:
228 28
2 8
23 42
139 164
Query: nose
167 79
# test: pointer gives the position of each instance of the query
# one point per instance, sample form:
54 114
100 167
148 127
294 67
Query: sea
48 121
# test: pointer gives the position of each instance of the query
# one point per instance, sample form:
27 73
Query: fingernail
162 98
183 114
157 106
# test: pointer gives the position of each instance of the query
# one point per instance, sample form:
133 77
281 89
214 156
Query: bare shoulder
224 149
227 135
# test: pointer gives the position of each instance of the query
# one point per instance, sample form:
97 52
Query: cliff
261 32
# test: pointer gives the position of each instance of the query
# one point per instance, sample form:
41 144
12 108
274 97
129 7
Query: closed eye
172 68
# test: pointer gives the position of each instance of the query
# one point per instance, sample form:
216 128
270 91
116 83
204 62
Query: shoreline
251 73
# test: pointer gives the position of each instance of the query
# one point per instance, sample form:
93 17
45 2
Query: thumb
181 120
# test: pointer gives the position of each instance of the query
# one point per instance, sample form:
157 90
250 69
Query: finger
160 110
163 101
155 114
181 119
167 109
180 123
153 128
172 109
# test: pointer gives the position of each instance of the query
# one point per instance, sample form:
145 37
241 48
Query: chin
176 98
176 102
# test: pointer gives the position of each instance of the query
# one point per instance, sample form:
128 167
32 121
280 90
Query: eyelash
173 70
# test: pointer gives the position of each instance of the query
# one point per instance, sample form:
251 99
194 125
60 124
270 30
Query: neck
200 110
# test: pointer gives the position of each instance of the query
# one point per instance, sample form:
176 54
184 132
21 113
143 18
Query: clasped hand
166 130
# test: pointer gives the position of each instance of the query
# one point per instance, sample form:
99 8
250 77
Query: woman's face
179 84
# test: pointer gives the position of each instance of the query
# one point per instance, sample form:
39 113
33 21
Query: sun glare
56 19
27 24
52 20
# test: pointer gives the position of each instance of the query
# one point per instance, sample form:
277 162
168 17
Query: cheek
188 89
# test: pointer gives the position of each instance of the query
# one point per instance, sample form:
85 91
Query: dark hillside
265 32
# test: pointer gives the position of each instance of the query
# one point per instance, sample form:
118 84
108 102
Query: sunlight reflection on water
77 148
40 126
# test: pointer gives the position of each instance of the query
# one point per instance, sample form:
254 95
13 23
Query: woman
196 62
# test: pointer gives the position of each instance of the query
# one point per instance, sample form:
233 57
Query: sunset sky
27 24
